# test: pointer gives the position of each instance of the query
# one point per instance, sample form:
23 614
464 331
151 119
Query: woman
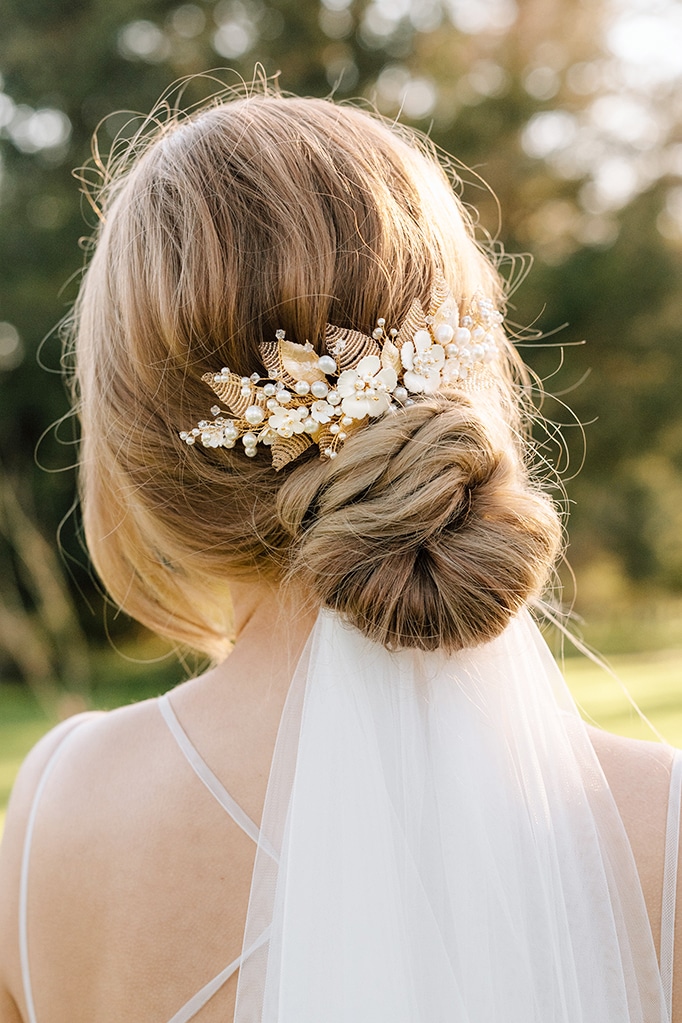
439 840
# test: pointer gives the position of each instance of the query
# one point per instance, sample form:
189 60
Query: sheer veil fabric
448 847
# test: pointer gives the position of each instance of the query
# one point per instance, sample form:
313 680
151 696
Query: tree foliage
541 101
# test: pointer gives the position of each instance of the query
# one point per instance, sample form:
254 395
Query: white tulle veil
448 850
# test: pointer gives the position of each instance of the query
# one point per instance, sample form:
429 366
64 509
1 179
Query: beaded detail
308 398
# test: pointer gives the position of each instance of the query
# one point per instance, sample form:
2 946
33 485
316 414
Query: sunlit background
569 110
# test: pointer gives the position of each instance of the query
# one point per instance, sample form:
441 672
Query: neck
271 626
264 609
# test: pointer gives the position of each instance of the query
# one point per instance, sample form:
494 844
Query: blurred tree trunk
39 628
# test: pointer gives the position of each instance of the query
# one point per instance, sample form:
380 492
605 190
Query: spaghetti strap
189 1010
25 863
672 840
203 997
206 775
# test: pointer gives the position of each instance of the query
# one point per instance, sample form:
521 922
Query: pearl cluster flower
306 400
367 389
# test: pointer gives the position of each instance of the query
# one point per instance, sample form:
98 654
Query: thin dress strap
190 1009
202 997
672 840
26 859
206 775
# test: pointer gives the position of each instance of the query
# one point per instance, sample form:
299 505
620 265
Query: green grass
653 680
21 725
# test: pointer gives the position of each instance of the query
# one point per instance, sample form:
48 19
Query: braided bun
426 532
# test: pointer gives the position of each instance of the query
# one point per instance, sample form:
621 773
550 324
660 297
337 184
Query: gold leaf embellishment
310 399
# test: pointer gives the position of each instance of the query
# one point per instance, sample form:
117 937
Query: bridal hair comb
308 398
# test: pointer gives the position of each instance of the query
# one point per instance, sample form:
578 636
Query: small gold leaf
390 358
269 353
230 392
440 292
325 439
285 449
347 347
299 362
414 321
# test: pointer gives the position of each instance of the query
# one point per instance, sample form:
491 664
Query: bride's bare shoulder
638 774
95 753
75 756
621 755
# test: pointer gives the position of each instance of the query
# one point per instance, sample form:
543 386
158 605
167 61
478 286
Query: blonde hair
269 212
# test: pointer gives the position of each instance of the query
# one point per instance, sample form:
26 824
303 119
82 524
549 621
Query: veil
447 847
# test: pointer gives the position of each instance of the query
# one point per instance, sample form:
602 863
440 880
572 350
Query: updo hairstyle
266 213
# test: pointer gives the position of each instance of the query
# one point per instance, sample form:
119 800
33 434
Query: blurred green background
570 110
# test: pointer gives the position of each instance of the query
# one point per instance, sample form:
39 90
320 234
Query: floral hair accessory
308 398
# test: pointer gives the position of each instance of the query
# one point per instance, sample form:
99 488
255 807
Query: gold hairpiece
308 398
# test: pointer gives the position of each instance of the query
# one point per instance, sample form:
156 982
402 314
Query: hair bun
425 532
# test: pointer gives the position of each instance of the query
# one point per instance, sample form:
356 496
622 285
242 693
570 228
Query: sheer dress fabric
438 844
